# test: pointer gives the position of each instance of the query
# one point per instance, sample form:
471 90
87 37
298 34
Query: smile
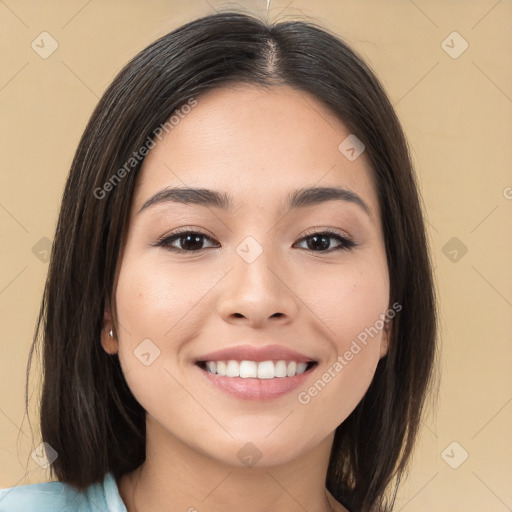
256 381
256 370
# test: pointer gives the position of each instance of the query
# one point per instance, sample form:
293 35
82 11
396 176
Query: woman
239 312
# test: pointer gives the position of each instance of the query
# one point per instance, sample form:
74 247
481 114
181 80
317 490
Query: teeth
301 368
253 369
291 370
221 368
248 369
233 369
266 370
280 369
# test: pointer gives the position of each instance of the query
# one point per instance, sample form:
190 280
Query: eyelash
346 243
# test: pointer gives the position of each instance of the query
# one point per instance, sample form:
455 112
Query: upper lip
257 354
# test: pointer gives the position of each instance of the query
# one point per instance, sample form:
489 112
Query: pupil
190 240
315 239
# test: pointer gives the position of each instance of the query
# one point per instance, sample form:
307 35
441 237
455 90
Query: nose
257 292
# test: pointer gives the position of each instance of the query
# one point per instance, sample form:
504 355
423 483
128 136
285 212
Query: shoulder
61 497
44 497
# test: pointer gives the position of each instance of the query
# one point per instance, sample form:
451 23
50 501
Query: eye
192 241
318 241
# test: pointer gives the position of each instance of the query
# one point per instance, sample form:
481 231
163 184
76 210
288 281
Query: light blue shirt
60 497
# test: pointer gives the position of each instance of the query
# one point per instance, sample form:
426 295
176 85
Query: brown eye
320 241
192 241
188 241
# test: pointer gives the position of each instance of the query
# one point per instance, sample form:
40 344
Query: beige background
457 114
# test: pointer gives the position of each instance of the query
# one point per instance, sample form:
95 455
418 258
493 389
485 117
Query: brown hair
88 414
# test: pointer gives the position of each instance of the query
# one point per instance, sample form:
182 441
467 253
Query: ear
384 344
109 342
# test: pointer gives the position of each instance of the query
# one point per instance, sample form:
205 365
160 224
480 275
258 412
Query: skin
256 145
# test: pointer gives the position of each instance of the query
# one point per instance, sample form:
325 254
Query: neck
175 477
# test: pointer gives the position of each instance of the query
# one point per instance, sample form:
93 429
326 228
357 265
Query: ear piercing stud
110 333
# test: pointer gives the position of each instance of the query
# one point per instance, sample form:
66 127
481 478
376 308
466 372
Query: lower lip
257 389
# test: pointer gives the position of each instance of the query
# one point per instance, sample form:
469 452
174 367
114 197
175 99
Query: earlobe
108 337
384 344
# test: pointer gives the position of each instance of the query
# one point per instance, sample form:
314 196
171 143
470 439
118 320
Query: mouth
256 373
261 370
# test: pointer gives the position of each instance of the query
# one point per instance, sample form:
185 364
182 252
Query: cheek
337 389
343 379
353 311
360 312
159 310
153 306
148 312
156 301
351 302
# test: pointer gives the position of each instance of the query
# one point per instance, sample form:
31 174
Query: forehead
255 144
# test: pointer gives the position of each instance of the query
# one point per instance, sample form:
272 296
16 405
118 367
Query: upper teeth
259 370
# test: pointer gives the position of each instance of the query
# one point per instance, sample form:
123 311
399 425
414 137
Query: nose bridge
256 267
256 287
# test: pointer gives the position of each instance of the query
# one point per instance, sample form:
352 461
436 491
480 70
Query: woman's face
256 285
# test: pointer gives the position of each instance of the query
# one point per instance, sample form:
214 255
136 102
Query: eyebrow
300 198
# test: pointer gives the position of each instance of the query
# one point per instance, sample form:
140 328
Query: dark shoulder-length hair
88 414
